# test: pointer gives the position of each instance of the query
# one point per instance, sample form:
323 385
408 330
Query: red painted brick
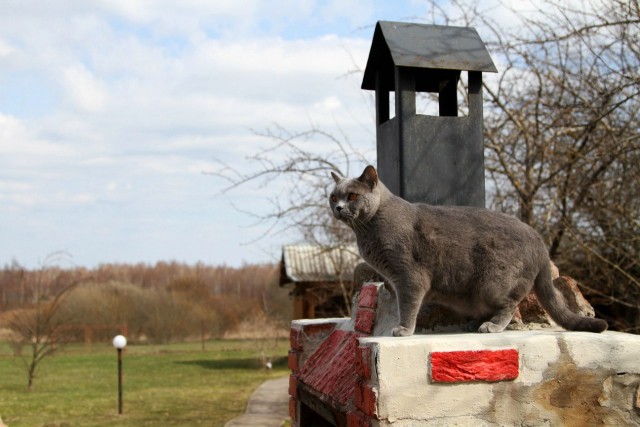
292 409
365 319
295 339
293 387
358 419
294 360
363 362
366 398
466 366
368 297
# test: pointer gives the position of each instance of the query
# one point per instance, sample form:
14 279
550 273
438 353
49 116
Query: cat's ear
369 177
336 177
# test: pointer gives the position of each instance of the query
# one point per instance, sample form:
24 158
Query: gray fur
478 262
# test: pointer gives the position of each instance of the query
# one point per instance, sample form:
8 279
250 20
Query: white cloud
6 48
144 96
330 103
85 90
21 145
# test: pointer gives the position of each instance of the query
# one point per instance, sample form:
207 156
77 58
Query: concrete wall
345 373
562 378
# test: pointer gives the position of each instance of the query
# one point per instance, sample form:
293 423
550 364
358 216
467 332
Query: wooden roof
435 47
312 263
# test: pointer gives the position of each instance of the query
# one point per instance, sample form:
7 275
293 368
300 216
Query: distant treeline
168 301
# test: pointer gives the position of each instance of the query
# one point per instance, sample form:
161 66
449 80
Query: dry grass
259 327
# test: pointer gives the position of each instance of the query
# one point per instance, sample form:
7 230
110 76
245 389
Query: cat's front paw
489 327
401 331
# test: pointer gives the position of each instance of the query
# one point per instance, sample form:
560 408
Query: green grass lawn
172 385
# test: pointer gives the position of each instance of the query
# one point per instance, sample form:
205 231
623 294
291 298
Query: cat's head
356 200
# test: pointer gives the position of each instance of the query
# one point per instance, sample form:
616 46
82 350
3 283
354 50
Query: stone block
294 360
293 386
358 419
365 320
366 398
295 339
368 297
293 413
363 362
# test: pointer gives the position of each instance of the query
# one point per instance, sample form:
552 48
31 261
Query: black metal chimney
432 159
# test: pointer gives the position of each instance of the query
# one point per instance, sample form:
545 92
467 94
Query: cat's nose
338 208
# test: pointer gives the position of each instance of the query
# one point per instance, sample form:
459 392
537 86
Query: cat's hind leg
401 331
498 321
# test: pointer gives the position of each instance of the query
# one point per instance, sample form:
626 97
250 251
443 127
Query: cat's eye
334 199
352 197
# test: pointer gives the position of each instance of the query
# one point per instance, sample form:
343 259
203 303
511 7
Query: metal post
120 381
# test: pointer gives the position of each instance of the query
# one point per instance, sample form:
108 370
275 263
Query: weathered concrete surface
565 378
268 406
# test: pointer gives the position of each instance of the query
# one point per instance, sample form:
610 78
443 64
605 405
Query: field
170 385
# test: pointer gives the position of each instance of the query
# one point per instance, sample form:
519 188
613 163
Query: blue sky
110 112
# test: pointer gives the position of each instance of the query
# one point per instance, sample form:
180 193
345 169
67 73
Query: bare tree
561 135
297 163
39 324
562 140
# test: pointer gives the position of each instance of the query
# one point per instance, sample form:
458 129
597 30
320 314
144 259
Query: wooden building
320 278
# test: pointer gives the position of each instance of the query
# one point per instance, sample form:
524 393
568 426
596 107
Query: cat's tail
552 301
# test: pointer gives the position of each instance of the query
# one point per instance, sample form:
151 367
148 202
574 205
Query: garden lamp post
119 342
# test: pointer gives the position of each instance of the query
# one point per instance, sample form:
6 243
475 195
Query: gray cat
478 262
